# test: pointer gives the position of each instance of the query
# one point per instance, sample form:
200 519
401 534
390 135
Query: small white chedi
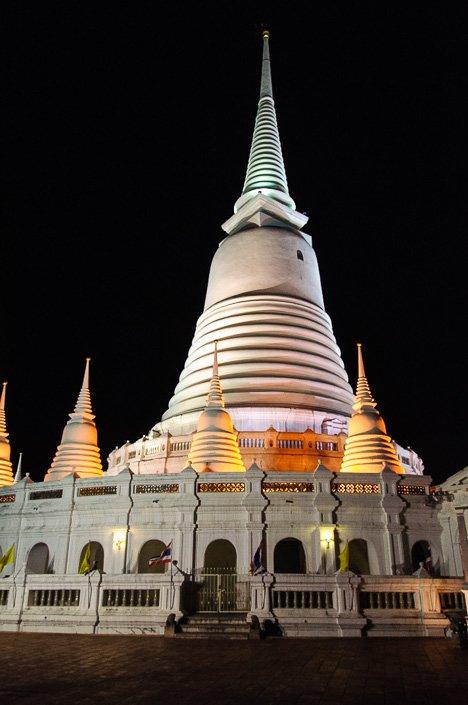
268 494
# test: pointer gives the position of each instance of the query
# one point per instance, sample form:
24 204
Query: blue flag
257 562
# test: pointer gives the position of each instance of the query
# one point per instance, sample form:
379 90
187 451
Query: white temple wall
128 510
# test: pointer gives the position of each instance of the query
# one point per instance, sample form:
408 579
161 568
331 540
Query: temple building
268 498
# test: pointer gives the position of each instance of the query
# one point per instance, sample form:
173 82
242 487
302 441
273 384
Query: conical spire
215 396
265 170
83 404
214 444
363 393
6 472
18 475
368 447
78 451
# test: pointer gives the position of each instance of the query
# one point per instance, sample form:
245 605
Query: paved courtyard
56 669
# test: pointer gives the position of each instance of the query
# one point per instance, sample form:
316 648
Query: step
216 628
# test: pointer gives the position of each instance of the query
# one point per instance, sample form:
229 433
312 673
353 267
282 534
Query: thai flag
257 562
164 557
428 561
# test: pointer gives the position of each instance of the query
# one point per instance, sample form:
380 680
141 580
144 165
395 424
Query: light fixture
119 539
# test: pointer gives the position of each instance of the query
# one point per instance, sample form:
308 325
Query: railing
302 599
140 597
136 602
387 600
452 601
53 598
251 442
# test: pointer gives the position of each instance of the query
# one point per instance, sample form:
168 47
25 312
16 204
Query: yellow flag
344 559
8 557
85 564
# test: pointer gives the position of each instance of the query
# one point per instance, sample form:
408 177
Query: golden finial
266 34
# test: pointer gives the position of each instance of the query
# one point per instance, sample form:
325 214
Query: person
462 632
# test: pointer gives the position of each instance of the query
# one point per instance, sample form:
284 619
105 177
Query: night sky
125 145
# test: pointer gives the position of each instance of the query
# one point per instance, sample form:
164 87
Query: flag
7 558
85 564
164 557
344 559
428 561
256 566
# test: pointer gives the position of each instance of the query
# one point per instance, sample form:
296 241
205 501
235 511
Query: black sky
125 144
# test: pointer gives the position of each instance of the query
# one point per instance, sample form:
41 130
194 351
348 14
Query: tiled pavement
58 669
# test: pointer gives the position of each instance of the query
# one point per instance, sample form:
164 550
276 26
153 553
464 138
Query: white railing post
260 597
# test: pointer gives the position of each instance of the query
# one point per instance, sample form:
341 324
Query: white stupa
78 451
368 447
214 446
278 357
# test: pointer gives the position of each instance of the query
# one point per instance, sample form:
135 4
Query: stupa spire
6 472
363 393
215 395
265 170
83 403
214 444
368 447
78 451
19 474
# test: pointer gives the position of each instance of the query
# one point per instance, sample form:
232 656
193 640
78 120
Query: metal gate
221 590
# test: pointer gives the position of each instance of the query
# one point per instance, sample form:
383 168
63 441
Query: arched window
38 559
300 255
151 549
420 553
220 556
359 557
96 558
289 557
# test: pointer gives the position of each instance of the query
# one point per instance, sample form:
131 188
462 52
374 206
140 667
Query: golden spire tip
266 34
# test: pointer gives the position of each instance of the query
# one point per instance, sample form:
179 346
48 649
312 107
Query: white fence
297 605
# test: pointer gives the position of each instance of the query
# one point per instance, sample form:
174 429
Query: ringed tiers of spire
6 470
78 451
214 446
368 448
265 170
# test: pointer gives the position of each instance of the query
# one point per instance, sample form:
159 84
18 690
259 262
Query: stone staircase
216 626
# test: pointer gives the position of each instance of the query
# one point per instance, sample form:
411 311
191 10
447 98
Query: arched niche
420 552
289 557
96 559
151 549
220 556
38 559
359 557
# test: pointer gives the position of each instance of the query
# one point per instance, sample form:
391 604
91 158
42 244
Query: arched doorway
289 557
96 556
220 557
219 588
38 559
420 553
151 549
359 557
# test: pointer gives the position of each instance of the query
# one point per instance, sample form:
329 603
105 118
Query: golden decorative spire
364 397
6 471
368 448
214 444
78 451
215 395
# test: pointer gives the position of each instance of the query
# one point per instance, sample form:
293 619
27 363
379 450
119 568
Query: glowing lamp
327 536
119 539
